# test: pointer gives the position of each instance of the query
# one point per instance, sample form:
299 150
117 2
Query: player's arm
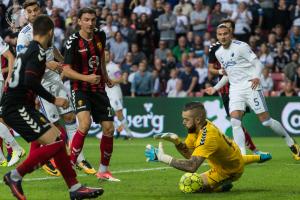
10 57
72 74
218 86
57 55
188 165
215 72
184 150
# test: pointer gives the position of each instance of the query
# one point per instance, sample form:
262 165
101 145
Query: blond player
205 142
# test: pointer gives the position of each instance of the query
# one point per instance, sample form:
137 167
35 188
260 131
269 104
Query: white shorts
253 98
116 103
51 111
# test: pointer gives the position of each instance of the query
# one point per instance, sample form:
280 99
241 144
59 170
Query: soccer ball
191 182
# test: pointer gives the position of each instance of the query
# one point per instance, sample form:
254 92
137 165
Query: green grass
276 179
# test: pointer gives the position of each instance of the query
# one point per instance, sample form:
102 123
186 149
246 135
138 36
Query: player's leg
52 146
258 104
18 151
123 121
51 113
248 140
237 107
248 159
103 113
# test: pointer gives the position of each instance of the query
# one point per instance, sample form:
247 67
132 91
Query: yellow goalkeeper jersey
222 153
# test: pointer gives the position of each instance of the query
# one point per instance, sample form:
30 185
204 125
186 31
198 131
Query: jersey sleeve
70 47
3 46
212 54
206 147
246 52
22 43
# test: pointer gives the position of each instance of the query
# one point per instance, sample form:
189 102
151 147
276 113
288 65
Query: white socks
279 130
238 134
15 176
8 138
102 168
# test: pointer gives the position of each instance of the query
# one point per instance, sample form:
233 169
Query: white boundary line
83 175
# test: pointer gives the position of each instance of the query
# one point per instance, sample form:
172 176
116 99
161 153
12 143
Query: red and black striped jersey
212 59
84 56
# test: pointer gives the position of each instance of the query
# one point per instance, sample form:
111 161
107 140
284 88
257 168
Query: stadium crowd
162 46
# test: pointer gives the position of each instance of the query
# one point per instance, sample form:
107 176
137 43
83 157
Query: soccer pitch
275 179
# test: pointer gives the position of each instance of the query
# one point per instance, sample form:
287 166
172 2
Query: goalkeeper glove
157 154
171 137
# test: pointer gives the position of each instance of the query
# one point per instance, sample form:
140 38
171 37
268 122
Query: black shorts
95 102
225 99
26 120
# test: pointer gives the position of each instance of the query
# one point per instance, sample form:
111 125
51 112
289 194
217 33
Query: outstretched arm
190 165
184 150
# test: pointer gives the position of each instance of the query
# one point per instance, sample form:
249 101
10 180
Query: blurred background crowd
162 46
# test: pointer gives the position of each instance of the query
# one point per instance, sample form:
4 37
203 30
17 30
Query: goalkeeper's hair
198 107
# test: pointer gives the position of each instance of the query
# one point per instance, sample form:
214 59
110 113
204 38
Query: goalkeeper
205 141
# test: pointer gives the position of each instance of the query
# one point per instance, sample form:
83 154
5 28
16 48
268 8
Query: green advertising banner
149 116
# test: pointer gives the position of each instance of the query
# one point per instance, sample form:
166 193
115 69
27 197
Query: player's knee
69 117
109 131
84 125
267 122
235 123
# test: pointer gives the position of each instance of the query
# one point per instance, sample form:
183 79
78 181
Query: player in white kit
52 83
18 151
115 93
243 70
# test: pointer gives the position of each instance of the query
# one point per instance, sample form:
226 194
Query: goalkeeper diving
205 141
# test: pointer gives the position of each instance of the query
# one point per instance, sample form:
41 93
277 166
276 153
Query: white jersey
3 48
24 38
236 60
114 72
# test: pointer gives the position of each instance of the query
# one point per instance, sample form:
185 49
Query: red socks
63 163
248 140
106 148
76 145
39 157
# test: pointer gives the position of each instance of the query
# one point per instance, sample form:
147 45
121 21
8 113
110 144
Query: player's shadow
250 190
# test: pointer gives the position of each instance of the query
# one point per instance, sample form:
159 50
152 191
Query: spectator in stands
265 57
290 68
133 71
272 43
266 82
181 48
109 29
189 78
161 51
156 12
192 58
137 55
119 48
166 25
156 88
198 18
163 72
243 19
296 80
282 15
182 23
49 7
288 90
125 85
142 84
295 36
127 32
170 62
190 39
142 8
133 20
268 12
143 32
253 44
63 5
229 7
280 59
127 64
185 6
197 47
202 72
295 11
184 59
257 13
171 84
288 48
215 18
279 33
59 21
